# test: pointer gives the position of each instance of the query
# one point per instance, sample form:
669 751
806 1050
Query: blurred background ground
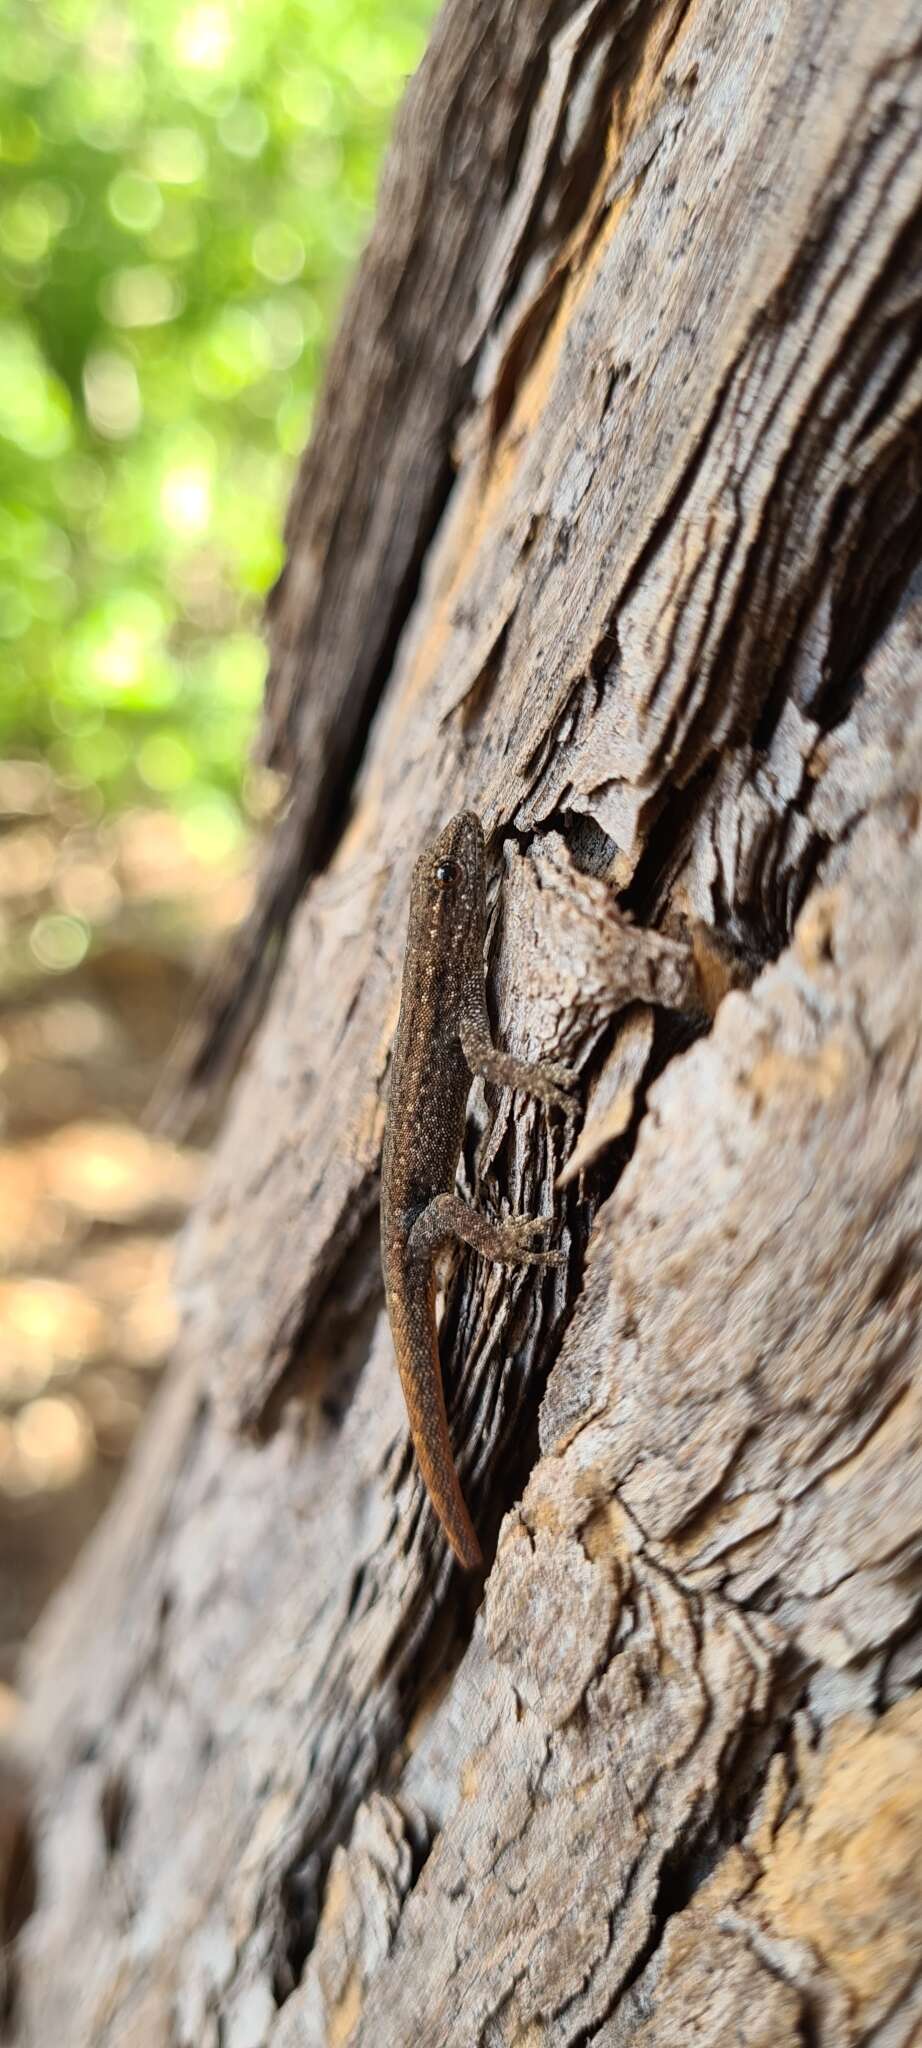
184 189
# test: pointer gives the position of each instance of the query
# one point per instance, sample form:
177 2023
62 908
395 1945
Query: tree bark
609 531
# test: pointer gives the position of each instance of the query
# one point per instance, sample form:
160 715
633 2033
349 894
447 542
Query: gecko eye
447 871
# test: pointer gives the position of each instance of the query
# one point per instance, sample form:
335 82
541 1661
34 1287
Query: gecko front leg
550 1081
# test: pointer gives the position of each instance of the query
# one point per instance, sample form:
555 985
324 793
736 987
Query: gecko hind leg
507 1242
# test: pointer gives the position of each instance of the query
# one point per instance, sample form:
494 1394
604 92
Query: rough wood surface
657 1780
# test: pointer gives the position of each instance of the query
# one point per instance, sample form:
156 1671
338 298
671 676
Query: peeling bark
649 277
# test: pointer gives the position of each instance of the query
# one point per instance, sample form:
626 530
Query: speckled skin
443 1037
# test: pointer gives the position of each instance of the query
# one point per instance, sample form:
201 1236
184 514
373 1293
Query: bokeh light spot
185 500
278 252
142 297
112 394
34 405
135 202
58 942
177 156
54 1441
244 129
166 763
204 37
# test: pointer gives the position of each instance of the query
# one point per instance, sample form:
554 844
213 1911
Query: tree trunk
608 531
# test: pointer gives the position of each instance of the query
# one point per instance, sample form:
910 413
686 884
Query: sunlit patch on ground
90 1200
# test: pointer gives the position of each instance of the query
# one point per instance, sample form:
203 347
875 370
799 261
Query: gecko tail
457 1525
421 1379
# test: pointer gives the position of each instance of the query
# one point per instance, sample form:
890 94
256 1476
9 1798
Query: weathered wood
655 1786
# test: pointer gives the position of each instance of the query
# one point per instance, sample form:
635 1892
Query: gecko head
449 876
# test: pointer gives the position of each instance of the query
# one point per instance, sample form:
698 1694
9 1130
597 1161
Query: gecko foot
516 1234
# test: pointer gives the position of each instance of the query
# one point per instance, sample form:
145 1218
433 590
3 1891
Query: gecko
443 1039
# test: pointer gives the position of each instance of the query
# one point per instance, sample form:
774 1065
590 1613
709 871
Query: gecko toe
531 1226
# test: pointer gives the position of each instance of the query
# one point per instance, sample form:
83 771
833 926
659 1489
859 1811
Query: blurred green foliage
183 189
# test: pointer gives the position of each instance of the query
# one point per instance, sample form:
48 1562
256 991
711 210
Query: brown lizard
443 1038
